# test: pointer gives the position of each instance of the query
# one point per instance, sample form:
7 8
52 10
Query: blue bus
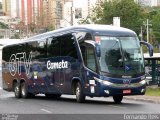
83 60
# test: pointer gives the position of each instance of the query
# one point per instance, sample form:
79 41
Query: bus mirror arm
98 50
150 47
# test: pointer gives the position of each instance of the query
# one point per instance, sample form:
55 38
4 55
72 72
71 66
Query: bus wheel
118 98
17 90
80 97
24 92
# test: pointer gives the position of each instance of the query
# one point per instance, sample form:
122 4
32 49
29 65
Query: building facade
29 10
76 10
150 3
54 11
6 5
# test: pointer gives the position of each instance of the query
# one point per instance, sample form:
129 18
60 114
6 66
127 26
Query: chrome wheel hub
77 92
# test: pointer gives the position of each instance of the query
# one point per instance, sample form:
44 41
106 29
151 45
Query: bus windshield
120 55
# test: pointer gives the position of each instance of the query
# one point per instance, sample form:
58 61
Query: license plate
126 91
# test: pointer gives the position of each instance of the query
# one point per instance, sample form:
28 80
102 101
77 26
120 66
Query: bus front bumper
111 89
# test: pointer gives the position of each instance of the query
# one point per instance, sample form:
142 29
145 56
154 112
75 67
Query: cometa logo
57 65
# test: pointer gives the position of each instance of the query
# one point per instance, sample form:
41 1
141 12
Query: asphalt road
68 105
67 108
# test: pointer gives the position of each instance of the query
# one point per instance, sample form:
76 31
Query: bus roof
91 28
95 29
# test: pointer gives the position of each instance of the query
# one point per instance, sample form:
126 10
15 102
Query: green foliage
32 27
3 26
50 28
153 91
132 16
16 36
156 25
1 37
85 21
0 6
130 13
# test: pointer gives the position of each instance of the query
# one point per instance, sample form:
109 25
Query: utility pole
141 33
147 32
72 12
147 25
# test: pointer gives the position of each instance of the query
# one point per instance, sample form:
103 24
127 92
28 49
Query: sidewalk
151 99
146 98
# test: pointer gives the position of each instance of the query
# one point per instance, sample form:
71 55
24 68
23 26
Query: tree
50 28
3 26
32 27
85 21
156 25
154 16
16 36
130 13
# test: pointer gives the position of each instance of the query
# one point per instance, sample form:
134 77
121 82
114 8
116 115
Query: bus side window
53 47
88 55
91 58
38 49
68 47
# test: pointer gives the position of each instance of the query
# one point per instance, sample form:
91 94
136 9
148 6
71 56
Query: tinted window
54 47
68 46
8 51
38 49
62 46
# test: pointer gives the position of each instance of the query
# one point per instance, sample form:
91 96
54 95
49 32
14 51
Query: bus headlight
103 81
143 82
107 83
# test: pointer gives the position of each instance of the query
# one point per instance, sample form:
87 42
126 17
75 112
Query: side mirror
98 50
150 47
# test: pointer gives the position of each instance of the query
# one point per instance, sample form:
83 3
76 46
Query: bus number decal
19 60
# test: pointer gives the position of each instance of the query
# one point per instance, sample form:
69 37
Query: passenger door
88 53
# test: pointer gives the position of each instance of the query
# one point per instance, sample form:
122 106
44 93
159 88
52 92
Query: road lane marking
47 111
20 101
117 106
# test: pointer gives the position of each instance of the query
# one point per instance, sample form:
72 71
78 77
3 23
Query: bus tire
80 97
17 90
24 91
117 98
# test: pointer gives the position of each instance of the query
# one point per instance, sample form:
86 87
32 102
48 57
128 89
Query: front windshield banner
120 55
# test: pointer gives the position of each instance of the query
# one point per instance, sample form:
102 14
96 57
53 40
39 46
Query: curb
143 99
